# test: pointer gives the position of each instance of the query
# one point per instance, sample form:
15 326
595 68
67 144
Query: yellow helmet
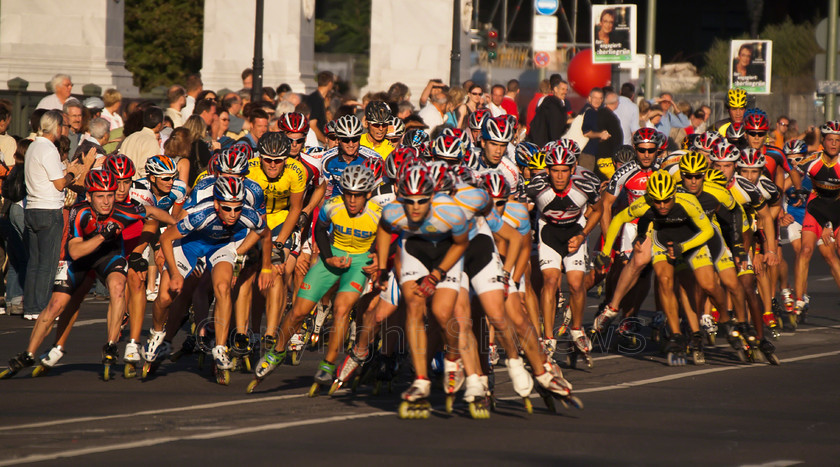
716 176
736 98
660 185
693 162
537 161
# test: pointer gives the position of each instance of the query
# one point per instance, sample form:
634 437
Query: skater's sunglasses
757 133
378 124
355 139
500 202
692 176
416 201
230 208
647 150
297 141
166 179
274 160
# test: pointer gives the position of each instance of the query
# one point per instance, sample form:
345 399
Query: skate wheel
549 404
106 373
247 360
147 369
7 373
335 386
529 407
793 320
403 411
756 356
675 359
742 356
773 359
39 370
450 401
129 371
574 401
698 358
176 356
223 377
252 385
573 358
314 389
588 362
711 339
296 356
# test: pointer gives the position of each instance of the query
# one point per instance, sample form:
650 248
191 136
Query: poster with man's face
613 33
749 65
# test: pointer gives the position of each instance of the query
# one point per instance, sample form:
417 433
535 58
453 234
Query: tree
163 40
351 31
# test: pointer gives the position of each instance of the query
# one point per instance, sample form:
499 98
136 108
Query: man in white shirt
628 112
62 87
46 180
434 111
194 87
177 97
497 95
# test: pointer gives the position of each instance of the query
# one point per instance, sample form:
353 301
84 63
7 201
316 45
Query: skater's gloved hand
303 221
278 254
110 231
176 282
601 260
674 251
383 279
137 262
426 285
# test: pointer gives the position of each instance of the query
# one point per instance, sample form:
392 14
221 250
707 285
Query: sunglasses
475 93
332 137
274 160
350 140
415 202
692 176
757 133
783 124
500 202
663 201
378 125
647 150
297 141
166 179
354 194
231 208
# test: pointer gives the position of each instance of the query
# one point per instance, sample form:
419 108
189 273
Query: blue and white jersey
517 216
202 224
141 191
203 191
445 219
333 165
473 202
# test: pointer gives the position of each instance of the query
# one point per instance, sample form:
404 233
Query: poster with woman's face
613 33
749 67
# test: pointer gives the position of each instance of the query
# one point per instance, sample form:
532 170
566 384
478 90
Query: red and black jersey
632 179
561 207
774 158
85 223
824 172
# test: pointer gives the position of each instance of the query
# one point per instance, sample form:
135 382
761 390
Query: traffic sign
546 7
828 87
821 34
544 37
541 59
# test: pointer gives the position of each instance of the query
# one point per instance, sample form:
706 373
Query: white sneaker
31 316
2 310
151 295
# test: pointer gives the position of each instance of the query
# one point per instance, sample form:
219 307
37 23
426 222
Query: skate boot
321 313
710 328
296 345
695 347
772 324
628 333
753 354
155 350
131 358
657 328
453 380
323 377
240 352
475 395
604 319
737 341
222 364
787 300
795 318
551 385
347 369
110 354
415 403
48 360
266 365
187 348
494 354
769 352
582 348
675 350
563 316
21 361
522 382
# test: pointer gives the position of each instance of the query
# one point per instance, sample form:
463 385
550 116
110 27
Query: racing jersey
748 196
203 191
507 167
516 216
383 149
562 208
351 234
141 191
824 173
333 165
774 158
277 192
383 194
85 223
444 220
632 179
472 201
202 224
722 210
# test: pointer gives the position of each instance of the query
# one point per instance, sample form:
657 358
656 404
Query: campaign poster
749 65
613 33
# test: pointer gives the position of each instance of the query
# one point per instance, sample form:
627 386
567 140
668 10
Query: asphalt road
638 411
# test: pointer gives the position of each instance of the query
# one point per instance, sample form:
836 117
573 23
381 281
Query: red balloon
585 75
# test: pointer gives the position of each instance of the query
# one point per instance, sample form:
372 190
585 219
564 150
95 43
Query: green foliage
352 27
163 40
794 48
323 29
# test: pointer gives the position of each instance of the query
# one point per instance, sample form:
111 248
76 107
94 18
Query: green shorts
321 277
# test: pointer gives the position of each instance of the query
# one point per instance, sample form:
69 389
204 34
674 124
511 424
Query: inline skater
348 130
377 119
736 105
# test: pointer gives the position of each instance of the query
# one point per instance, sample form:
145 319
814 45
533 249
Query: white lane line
216 434
185 408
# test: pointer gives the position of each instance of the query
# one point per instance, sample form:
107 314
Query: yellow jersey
384 148
351 234
278 192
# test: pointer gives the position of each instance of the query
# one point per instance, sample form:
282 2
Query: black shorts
102 264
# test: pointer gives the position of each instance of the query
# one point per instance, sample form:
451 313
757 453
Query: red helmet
646 135
448 147
495 184
465 175
377 166
416 181
497 129
442 176
751 158
477 118
395 160
725 151
294 122
100 180
560 155
756 122
706 141
121 166
234 161
830 128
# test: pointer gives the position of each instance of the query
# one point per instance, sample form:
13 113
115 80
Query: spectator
398 92
777 137
604 145
474 95
73 110
317 103
404 109
200 147
194 87
46 180
35 123
206 94
698 124
232 104
549 123
509 103
62 87
177 148
13 230
432 89
543 89
258 121
653 116
177 98
591 125
671 116
98 134
112 100
145 143
206 109
219 129
628 112
247 78
94 106
282 90
269 95
311 139
433 114
497 95
456 113
8 145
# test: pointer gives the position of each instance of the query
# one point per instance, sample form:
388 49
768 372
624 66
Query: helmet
795 147
560 156
448 147
570 145
524 152
716 176
736 98
465 175
441 175
751 158
395 160
537 161
293 122
706 141
244 148
357 178
100 180
416 138
735 131
460 134
120 165
377 166
348 126
624 155
693 162
213 164
497 129
377 112
416 181
329 128
830 128
160 165
274 144
477 118
661 186
396 127
495 184
663 141
229 189
233 161
688 141
646 135
756 121
472 159
725 151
